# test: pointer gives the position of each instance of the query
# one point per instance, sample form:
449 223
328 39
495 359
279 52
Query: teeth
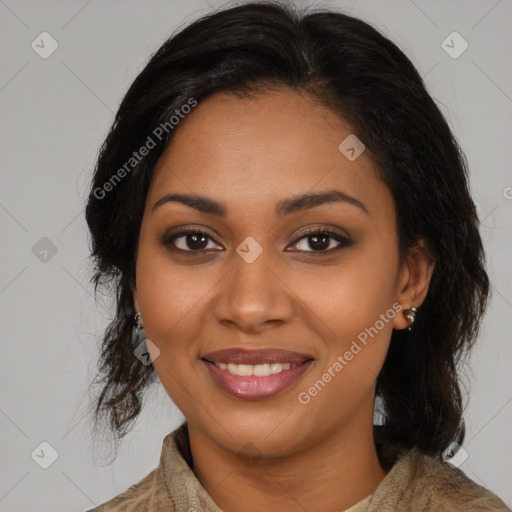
276 368
258 370
261 370
244 369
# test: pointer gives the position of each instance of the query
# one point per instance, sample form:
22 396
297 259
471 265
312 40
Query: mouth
256 374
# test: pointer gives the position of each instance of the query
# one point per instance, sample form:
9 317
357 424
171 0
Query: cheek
173 302
349 297
351 308
355 343
172 298
354 322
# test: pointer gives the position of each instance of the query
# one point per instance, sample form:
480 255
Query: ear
413 280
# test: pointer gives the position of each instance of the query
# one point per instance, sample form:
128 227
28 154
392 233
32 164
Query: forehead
262 149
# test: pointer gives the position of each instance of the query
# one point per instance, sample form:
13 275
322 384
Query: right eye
189 240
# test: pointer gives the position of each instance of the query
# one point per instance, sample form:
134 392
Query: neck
332 474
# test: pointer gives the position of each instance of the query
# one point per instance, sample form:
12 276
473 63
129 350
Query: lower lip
254 388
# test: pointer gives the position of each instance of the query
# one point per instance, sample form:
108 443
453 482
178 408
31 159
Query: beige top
415 483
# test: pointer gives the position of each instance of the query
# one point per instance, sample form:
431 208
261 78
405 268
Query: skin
249 154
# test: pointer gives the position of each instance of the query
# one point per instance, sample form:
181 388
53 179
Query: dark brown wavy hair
361 75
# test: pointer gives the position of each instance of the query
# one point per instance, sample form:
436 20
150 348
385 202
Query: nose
252 297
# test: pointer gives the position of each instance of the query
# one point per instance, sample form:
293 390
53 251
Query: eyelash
342 240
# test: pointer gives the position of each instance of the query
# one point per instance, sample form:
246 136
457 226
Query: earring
410 315
139 345
138 334
138 321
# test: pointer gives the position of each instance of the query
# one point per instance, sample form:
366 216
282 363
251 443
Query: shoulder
172 486
150 494
422 483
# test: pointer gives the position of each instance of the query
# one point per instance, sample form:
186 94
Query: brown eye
321 241
190 240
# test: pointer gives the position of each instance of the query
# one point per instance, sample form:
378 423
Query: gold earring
410 315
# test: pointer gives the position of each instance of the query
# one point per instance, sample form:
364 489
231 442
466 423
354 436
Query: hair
352 69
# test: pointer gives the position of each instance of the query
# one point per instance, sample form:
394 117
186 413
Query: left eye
321 241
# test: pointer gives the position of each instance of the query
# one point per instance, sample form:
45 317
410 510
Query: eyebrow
283 208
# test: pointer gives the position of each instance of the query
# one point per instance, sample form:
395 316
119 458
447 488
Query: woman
286 218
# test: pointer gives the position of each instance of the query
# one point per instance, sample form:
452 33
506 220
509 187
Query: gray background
55 114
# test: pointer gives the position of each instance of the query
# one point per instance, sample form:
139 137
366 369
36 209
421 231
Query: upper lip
244 355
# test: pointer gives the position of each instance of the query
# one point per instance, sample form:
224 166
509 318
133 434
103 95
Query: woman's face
254 285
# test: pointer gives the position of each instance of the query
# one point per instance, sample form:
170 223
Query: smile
256 374
258 370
